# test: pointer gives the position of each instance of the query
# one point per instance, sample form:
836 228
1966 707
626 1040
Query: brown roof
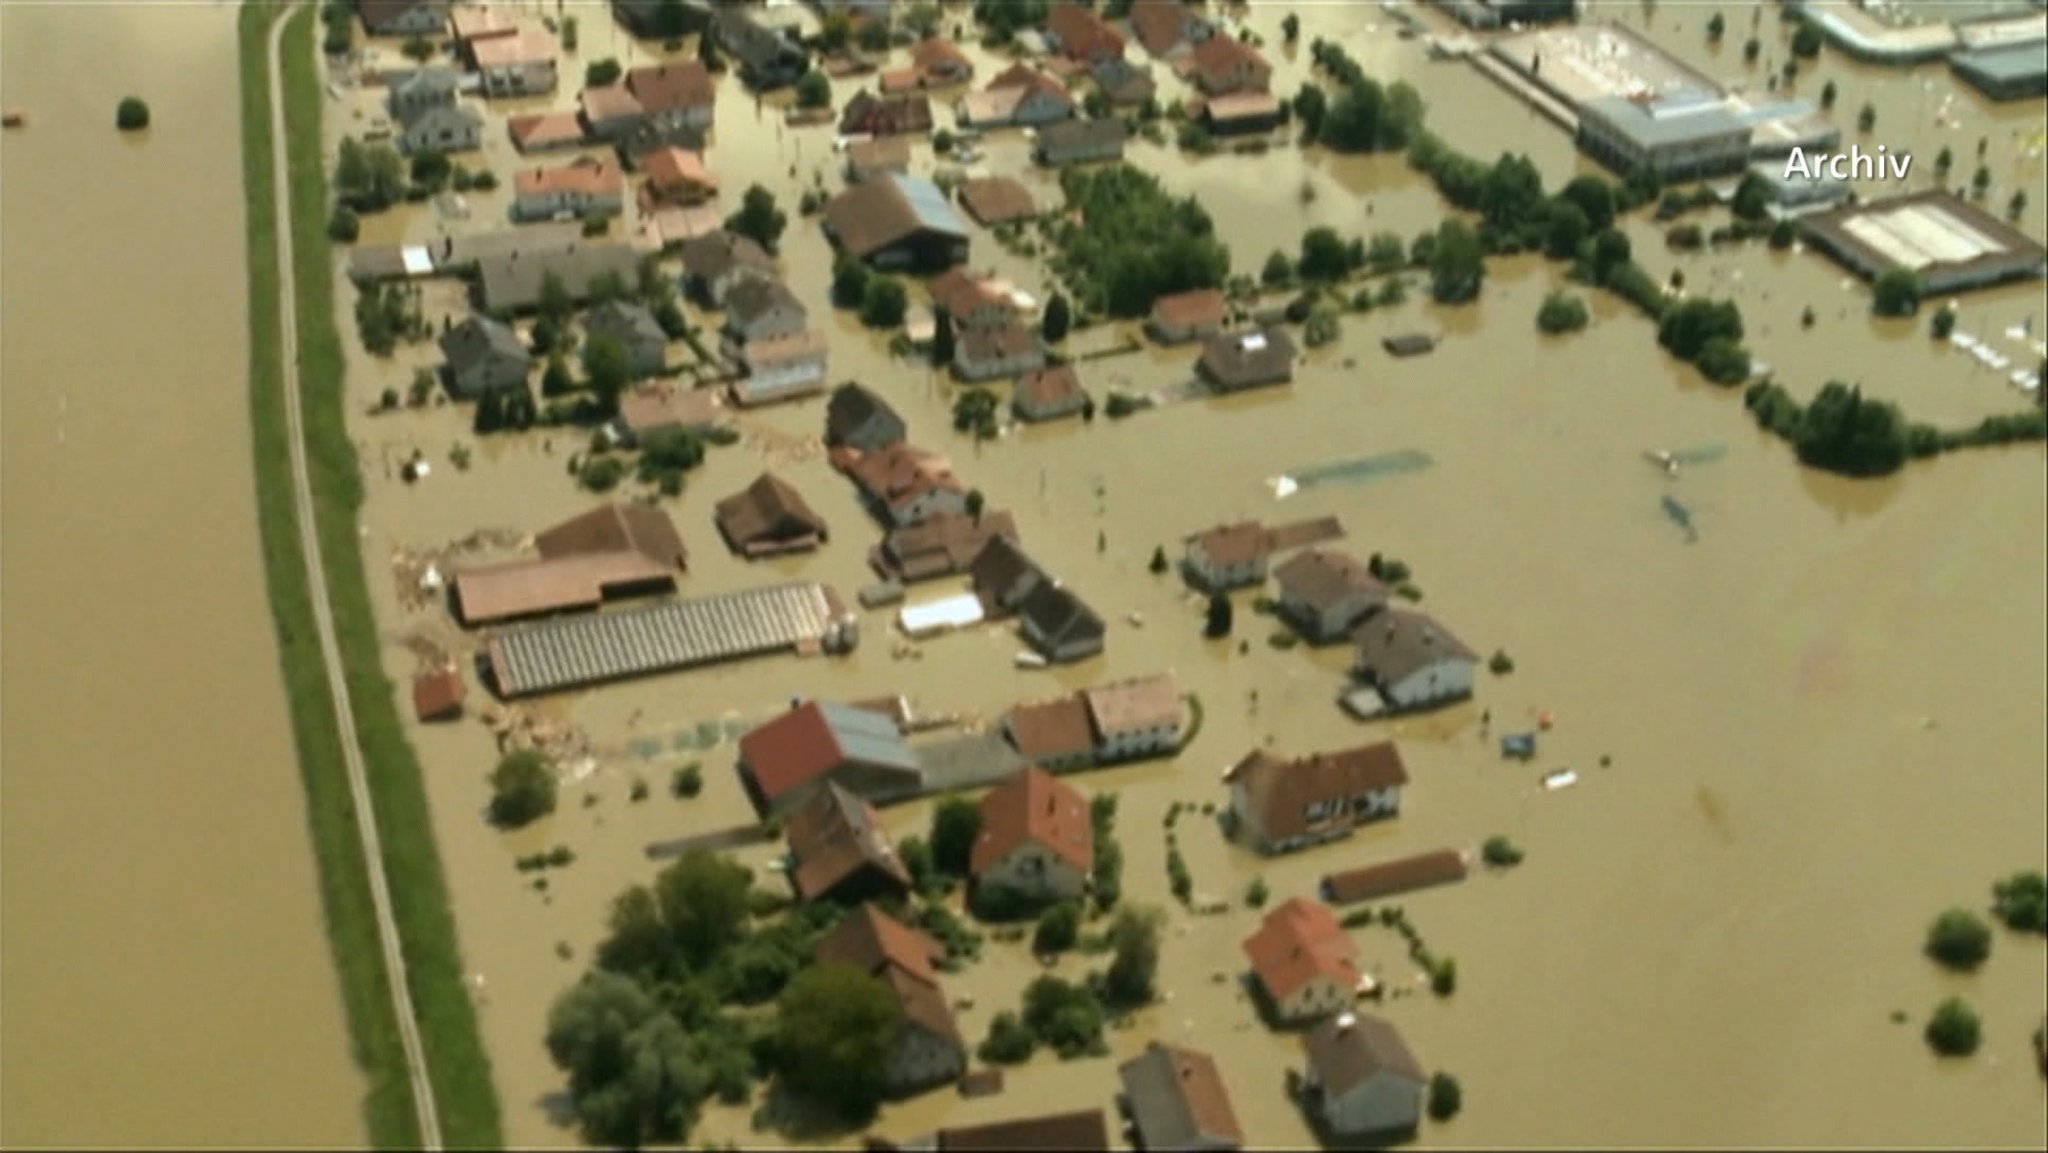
875 214
767 511
616 527
481 21
587 176
886 115
561 584
1320 578
1135 705
437 694
1217 56
924 1005
1036 806
525 45
1397 642
1232 544
1049 388
378 13
805 345
1002 342
1279 792
1404 874
871 940
664 406
1244 357
1348 1051
1178 1099
1083 1130
544 130
1159 24
944 544
1001 569
1083 34
808 742
961 293
1203 306
994 200
608 102
883 152
1298 942
1051 730
713 254
677 168
669 87
831 836
938 54
1296 533
900 473
1242 106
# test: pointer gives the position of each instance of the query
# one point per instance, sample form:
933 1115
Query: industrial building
1950 243
2007 72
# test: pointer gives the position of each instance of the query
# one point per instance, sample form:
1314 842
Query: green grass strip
458 1066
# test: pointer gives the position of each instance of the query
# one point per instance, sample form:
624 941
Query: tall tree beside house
850 282
369 177
555 303
883 302
1457 264
707 52
835 1027
835 30
1290 27
1059 317
759 219
975 503
609 367
1310 106
956 825
602 73
814 90
556 380
942 339
634 1075
1134 962
1220 616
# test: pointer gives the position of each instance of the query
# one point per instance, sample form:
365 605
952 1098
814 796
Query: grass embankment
458 1065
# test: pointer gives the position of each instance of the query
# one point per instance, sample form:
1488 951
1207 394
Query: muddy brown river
1821 722
167 980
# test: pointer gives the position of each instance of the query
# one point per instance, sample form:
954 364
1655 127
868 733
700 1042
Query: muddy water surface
1821 720
167 980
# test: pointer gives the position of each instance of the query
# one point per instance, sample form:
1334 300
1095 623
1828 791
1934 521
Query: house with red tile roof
1036 838
1304 962
1223 64
783 761
1176 1099
1079 34
1279 805
1167 28
929 1051
905 484
1057 734
839 851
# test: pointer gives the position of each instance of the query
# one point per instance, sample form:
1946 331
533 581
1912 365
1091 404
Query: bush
1896 293
1959 939
2021 901
523 789
601 473
1562 312
1500 852
343 226
1443 977
1501 664
1008 1043
1446 1096
1954 1030
602 73
1057 929
687 781
131 115
1944 323
814 90
1256 893
883 302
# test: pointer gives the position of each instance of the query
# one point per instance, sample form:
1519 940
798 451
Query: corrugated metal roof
659 638
929 204
867 736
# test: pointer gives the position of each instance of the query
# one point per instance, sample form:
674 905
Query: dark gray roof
756 296
853 405
1055 614
443 118
649 136
627 322
435 80
713 254
1178 1100
479 339
756 45
1072 135
1349 1050
868 736
1397 642
514 280
2007 63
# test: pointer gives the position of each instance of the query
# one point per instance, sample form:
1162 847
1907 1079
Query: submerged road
323 609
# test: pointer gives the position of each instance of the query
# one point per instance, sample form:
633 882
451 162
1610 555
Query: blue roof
929 204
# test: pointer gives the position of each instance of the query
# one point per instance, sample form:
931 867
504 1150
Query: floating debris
1679 515
1357 470
1562 778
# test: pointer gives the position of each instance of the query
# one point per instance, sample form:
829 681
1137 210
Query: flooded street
167 979
1820 723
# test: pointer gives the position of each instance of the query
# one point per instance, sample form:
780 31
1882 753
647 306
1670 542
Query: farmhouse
1281 805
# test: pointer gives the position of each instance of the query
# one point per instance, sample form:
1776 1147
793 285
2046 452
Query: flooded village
1207 690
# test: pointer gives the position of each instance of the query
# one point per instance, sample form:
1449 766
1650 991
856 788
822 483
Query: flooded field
1798 738
166 976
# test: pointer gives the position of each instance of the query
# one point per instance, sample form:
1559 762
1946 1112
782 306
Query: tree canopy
1959 939
1134 961
634 1073
1457 264
522 789
1127 241
835 1028
759 218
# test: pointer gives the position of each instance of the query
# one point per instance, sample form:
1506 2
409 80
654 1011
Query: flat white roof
951 613
1920 235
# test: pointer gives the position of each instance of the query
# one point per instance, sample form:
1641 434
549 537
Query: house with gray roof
403 17
512 281
411 93
763 308
634 327
896 221
769 58
786 760
1324 593
446 128
1177 1099
1056 623
482 356
1080 142
857 418
1362 1080
715 262
1412 660
2005 72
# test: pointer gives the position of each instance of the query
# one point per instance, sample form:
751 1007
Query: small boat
1137 619
1560 779
14 118
1663 459
1030 660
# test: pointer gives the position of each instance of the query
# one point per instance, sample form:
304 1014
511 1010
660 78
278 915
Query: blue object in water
1521 746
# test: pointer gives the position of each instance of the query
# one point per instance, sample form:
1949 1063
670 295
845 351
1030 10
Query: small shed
941 615
1405 344
438 695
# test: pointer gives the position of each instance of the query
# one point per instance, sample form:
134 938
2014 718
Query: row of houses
1111 723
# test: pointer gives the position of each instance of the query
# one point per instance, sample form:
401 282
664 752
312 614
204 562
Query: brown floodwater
167 980
1822 720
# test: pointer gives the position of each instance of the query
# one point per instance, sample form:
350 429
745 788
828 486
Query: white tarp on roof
938 616
416 260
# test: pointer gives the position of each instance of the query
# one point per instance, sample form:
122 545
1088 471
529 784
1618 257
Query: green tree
431 169
131 114
1716 28
1806 42
1324 255
522 789
1127 242
1959 939
1446 1096
1944 322
1594 197
1562 312
1750 49
814 90
608 367
835 1028
1688 326
1457 264
1010 1041
1134 961
1063 1016
883 302
702 899
1980 182
1752 197
956 825
1257 893
1311 105
1954 1030
1059 318
707 50
975 502
1218 621
1566 230
1866 119
1896 293
1723 361
849 281
1107 877
1278 270
2017 206
342 225
1828 92
1159 563
1843 432
555 380
1057 930
943 344
835 31
369 178
975 412
2021 901
634 1073
1290 27
602 73
1500 852
759 219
